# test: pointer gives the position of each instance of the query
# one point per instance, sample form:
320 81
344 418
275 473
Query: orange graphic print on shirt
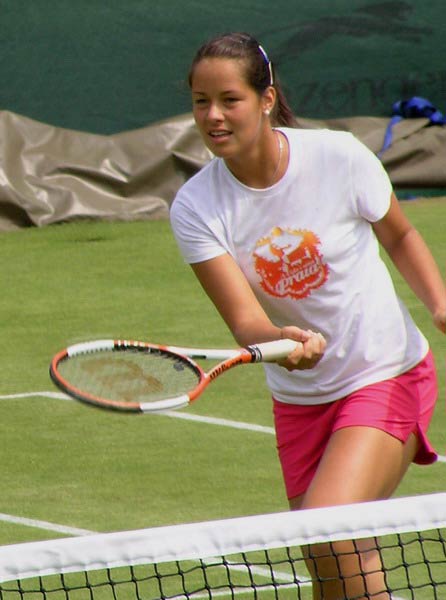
289 263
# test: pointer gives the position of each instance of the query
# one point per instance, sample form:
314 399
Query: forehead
224 73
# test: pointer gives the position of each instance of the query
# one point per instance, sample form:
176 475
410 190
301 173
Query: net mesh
394 549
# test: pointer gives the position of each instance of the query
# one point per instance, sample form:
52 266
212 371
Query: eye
199 101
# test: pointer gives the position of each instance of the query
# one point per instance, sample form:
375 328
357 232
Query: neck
266 167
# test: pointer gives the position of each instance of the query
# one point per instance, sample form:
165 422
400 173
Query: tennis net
259 557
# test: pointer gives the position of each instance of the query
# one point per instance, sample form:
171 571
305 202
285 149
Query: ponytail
282 114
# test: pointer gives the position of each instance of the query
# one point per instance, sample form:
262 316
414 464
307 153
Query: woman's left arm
413 259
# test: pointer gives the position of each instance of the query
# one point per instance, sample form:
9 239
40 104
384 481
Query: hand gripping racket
136 376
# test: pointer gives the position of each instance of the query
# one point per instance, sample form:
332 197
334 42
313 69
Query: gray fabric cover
50 174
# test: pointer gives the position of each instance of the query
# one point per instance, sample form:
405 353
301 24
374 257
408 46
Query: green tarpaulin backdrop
106 66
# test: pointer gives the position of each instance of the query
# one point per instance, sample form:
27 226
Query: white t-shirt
309 253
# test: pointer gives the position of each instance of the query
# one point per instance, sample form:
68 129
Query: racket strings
130 376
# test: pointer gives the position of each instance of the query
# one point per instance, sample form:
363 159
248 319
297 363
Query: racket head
128 376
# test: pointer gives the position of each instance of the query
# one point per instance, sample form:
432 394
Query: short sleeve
195 239
371 184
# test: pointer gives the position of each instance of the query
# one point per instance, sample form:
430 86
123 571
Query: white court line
217 421
45 525
187 416
57 395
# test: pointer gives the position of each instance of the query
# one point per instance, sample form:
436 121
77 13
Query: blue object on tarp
413 108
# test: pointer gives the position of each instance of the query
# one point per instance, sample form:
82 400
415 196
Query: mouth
220 135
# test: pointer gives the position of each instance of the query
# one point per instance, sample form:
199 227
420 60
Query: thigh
359 464
302 433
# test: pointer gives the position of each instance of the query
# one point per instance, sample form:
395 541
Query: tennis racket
134 376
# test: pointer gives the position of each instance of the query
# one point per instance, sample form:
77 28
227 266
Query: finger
295 333
293 359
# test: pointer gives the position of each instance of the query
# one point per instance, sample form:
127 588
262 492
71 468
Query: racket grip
273 351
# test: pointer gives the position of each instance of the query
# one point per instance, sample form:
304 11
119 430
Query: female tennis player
282 229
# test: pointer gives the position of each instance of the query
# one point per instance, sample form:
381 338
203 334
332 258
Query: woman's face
228 112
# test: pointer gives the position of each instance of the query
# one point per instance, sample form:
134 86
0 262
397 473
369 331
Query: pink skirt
399 406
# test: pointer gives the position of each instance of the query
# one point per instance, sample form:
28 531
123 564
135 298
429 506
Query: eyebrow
223 92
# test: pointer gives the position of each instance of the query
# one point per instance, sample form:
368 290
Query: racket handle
273 351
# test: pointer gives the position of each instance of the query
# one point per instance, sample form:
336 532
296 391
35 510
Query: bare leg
344 570
353 470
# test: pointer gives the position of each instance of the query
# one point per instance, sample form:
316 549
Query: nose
215 112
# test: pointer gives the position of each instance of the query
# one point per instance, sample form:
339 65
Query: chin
220 152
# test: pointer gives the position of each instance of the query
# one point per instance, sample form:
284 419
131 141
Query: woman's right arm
228 289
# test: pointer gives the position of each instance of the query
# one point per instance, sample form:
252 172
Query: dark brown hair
259 70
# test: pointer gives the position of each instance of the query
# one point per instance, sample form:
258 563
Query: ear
268 99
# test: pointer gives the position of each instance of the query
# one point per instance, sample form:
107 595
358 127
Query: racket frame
230 358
